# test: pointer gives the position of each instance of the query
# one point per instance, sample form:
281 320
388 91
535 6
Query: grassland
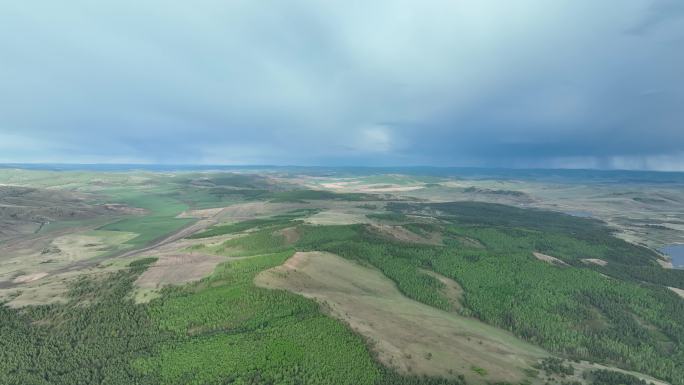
59 222
390 278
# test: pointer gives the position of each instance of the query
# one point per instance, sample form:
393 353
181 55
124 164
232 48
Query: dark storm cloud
515 83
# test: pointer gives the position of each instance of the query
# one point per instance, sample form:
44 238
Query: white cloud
374 139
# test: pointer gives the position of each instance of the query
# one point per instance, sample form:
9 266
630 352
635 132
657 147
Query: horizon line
38 165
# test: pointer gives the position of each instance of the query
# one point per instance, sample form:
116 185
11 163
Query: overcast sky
518 83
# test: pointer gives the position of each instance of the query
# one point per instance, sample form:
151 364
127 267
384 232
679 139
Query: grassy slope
449 344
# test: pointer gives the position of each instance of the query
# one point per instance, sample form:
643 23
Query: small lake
676 252
580 213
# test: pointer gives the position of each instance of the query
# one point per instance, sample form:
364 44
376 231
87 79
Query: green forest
225 330
222 330
580 311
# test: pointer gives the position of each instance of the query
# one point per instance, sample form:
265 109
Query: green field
159 221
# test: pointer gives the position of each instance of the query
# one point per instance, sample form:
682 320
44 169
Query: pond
676 252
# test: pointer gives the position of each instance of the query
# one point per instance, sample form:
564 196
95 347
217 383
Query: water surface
676 252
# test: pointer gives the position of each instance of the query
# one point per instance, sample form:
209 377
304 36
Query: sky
507 83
